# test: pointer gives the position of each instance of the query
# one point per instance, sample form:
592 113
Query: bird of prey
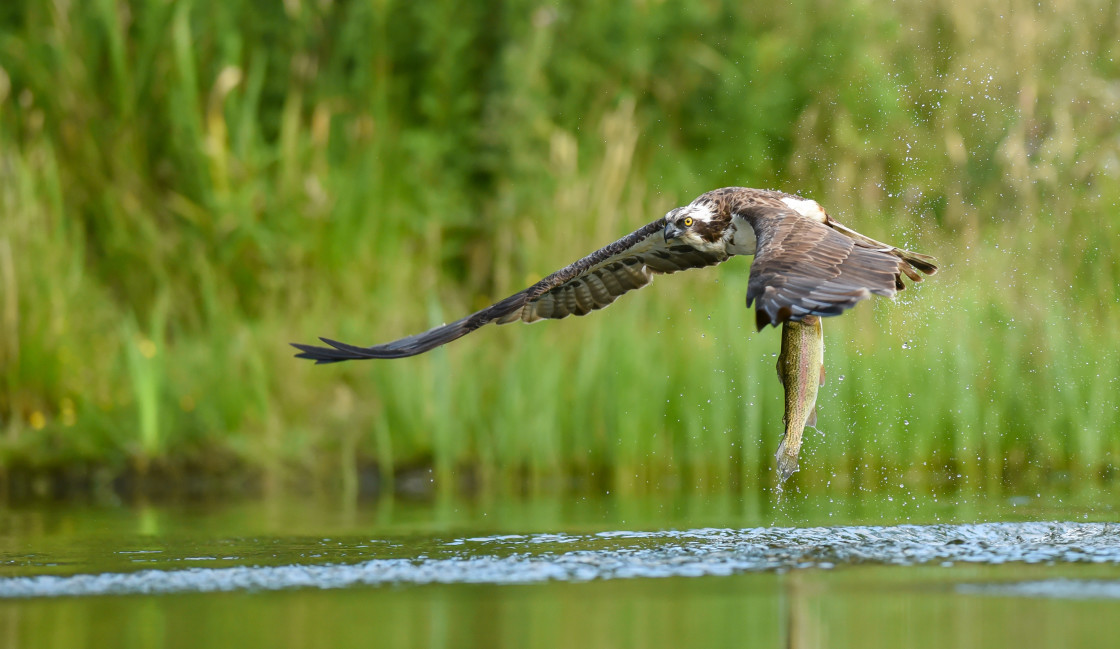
805 263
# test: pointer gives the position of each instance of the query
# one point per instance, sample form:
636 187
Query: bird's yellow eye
687 221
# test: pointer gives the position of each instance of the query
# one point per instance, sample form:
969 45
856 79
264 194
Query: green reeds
208 183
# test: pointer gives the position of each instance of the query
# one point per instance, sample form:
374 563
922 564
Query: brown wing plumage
805 267
580 288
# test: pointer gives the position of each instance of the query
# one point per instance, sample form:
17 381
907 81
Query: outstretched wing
580 288
804 267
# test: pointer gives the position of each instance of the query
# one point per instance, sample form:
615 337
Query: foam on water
517 559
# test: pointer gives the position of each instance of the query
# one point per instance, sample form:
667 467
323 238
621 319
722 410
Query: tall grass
186 187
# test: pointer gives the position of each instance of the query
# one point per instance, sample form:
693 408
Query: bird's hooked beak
672 231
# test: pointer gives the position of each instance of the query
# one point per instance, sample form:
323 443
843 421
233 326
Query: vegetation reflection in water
861 581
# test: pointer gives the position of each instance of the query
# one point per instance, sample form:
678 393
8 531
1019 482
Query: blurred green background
186 187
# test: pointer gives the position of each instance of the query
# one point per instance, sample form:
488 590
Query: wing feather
805 267
583 296
610 283
589 284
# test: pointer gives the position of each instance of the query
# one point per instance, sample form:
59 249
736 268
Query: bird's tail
915 261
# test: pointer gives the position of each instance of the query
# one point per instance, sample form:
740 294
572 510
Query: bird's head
700 224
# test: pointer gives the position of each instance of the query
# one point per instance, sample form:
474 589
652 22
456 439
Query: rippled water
519 559
568 572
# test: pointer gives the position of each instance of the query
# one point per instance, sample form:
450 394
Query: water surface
883 570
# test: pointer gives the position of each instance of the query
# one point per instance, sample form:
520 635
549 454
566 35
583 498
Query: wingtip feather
324 355
924 263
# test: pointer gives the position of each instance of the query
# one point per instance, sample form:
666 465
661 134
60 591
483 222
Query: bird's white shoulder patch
743 241
806 207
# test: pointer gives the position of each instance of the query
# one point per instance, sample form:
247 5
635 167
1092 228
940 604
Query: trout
801 371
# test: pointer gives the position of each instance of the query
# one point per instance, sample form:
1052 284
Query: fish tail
787 461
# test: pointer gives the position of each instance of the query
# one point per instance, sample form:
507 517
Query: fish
801 371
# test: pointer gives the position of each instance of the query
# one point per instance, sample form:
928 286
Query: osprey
805 263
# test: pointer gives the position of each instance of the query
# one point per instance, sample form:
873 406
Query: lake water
876 570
